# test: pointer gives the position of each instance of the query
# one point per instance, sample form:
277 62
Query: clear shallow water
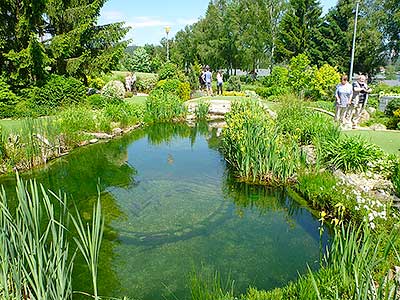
172 208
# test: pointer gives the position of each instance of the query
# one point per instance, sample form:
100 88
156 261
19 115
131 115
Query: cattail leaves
36 257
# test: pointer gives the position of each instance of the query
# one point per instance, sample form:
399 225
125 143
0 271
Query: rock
374 184
377 127
364 116
101 135
117 131
272 114
93 141
43 140
371 110
84 143
309 151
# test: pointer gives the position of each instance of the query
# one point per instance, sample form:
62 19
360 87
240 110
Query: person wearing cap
359 99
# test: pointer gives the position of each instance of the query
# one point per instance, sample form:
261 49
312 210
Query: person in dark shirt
359 99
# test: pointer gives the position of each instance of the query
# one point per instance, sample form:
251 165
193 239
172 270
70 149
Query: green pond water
171 207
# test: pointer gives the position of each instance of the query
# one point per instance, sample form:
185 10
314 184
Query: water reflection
171 205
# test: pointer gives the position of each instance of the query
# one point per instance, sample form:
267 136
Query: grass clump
351 154
304 124
202 109
255 148
37 258
162 106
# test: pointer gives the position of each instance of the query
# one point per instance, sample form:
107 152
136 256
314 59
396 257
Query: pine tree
78 46
299 29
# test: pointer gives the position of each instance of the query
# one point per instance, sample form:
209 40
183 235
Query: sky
148 18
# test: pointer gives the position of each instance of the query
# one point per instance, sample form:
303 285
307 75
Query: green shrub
392 106
169 71
145 82
96 82
300 74
96 101
114 90
59 91
276 83
7 100
323 83
175 86
163 106
233 84
351 154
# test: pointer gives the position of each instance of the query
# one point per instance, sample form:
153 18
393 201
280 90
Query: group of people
351 100
205 80
130 82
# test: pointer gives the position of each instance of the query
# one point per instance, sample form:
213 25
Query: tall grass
255 148
351 153
304 124
162 106
210 286
202 109
396 178
36 256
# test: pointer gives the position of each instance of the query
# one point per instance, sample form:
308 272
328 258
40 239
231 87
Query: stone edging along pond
48 152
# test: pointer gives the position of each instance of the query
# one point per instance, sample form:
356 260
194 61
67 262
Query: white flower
372 224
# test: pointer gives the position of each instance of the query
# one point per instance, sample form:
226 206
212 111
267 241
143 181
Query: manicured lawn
387 140
137 99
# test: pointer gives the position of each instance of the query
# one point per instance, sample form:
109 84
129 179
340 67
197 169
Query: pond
172 208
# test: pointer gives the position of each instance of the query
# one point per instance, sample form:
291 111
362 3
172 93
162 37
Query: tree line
250 34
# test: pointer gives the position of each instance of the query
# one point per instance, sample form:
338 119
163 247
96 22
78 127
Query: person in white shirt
220 81
343 94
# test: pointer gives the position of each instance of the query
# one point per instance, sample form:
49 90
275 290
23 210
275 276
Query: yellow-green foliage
96 82
233 93
175 86
324 81
300 73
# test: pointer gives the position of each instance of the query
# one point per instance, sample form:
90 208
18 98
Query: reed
202 109
36 256
254 147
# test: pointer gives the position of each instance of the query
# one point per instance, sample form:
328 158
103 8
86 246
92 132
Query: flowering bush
114 89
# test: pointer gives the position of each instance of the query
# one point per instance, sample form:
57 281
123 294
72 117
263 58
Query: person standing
133 82
208 80
202 81
359 99
128 82
343 94
220 81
